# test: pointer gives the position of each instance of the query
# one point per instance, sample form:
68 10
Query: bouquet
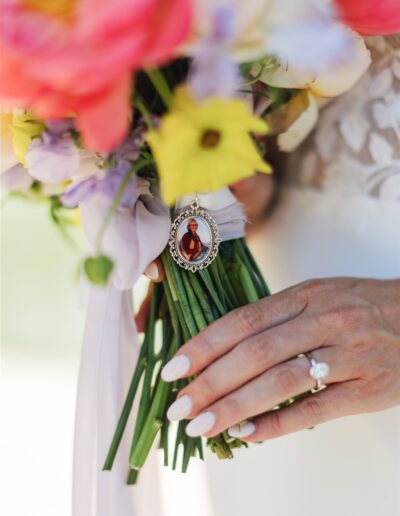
140 115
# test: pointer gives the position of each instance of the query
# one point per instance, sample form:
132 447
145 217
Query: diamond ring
318 370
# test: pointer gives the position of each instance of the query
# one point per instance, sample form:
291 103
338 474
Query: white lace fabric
355 148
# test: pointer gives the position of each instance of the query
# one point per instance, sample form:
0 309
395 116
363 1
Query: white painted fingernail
181 408
152 271
201 424
175 368
242 430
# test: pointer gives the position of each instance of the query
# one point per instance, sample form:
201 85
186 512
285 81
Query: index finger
222 335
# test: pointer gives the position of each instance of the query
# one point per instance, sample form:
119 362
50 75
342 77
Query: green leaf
98 269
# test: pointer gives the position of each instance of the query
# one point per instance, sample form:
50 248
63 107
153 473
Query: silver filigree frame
194 210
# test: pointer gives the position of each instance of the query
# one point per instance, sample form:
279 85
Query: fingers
155 271
259 395
255 193
278 384
230 330
330 403
251 358
142 315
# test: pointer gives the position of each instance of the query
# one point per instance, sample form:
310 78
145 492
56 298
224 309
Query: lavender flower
107 181
54 156
213 72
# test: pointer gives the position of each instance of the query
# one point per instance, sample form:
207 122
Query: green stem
161 85
151 426
245 281
228 289
206 278
254 264
140 105
133 476
146 394
246 262
194 304
175 280
179 434
202 297
123 420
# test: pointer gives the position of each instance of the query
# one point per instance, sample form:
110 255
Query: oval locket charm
194 238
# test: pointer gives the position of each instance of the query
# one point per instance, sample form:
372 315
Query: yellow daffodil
24 128
205 146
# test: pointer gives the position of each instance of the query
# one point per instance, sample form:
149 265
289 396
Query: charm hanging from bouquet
194 238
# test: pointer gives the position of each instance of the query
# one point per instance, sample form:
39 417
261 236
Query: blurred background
42 322
41 330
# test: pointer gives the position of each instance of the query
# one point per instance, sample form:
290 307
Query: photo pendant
194 238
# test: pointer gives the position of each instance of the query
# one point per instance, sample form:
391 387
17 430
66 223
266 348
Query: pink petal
104 120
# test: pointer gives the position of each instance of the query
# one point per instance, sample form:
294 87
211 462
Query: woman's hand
247 362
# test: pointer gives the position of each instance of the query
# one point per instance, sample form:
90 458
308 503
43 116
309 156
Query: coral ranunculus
64 57
370 17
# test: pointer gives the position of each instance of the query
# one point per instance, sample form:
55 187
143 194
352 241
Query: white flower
327 83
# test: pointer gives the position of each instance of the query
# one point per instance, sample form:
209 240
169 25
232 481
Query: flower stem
161 85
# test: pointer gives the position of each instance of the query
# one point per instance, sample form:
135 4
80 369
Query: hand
248 361
256 194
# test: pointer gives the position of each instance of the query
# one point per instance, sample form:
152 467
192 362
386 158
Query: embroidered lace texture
355 149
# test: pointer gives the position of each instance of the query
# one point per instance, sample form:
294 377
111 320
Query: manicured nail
201 424
152 271
242 430
180 408
175 368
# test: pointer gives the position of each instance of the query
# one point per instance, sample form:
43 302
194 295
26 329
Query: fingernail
152 271
175 368
242 430
180 408
201 424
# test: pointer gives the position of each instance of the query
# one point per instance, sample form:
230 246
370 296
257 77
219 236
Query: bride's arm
247 362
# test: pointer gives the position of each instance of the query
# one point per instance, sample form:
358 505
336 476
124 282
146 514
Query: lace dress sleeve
355 148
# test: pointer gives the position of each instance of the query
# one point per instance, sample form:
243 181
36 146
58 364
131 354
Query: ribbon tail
109 353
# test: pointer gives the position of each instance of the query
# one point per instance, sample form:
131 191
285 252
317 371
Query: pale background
41 330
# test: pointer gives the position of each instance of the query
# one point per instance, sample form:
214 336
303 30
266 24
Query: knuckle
313 287
286 380
205 386
260 350
201 351
250 318
312 408
231 406
275 428
347 317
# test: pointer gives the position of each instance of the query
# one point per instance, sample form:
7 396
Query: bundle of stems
181 306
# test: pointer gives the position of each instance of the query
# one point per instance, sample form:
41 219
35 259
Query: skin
247 362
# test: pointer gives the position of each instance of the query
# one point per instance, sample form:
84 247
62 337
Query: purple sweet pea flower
16 179
54 157
213 73
107 184
108 181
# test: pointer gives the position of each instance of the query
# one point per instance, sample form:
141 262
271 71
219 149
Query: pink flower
63 57
371 17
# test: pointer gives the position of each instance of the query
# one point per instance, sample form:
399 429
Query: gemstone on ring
319 370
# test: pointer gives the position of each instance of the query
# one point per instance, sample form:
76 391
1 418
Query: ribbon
224 209
134 238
